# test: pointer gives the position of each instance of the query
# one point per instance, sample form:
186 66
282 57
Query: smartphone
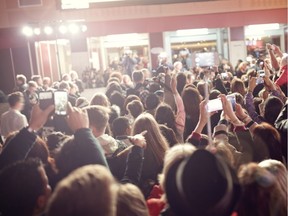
45 99
224 75
259 80
232 100
214 105
61 102
261 73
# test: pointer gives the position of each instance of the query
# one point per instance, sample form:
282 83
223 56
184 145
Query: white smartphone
61 102
232 100
214 105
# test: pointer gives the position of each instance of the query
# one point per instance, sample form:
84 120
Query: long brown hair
261 192
237 85
191 99
156 142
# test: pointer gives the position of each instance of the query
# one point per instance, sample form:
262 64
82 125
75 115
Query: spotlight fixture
73 28
37 31
63 29
27 31
48 30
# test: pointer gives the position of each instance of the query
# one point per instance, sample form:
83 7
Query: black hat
202 185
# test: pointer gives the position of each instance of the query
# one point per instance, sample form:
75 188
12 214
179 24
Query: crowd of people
149 145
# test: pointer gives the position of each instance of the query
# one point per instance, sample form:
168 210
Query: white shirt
12 121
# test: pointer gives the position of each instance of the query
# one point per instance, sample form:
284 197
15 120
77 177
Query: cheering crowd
150 145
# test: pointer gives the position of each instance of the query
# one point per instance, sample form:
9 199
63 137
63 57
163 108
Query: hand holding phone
214 105
45 99
61 102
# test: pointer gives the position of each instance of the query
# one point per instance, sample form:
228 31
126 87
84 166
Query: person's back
13 120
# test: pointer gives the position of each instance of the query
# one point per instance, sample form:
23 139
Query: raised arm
274 61
249 104
88 148
181 115
20 145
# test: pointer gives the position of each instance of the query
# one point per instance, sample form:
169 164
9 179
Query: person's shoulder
5 114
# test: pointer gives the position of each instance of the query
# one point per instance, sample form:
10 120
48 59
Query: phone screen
214 105
224 75
60 102
232 100
259 80
261 73
45 99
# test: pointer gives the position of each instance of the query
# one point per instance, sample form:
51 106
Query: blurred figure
24 189
262 195
88 190
13 120
46 83
21 83
130 201
30 95
38 79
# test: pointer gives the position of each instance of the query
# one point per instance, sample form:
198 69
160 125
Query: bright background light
188 32
73 28
84 28
27 31
37 31
48 30
63 29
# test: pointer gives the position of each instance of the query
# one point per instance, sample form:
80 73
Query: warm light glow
63 29
28 31
263 27
189 32
73 28
37 31
48 30
84 28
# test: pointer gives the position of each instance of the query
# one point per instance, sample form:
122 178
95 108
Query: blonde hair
260 190
130 201
156 142
100 99
176 153
89 190
225 151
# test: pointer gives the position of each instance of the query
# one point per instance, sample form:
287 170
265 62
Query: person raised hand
39 117
240 112
203 117
252 84
77 118
174 84
228 110
139 139
269 85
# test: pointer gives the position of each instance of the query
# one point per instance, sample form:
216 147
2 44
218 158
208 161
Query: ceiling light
28 31
63 29
73 28
48 30
37 31
84 28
